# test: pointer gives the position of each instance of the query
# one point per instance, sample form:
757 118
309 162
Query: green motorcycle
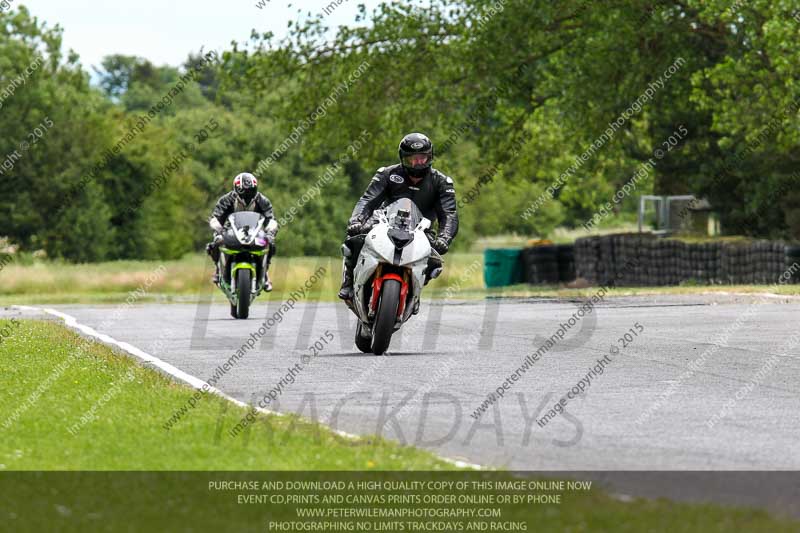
245 246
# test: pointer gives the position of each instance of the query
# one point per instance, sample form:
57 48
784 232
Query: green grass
127 434
562 235
187 280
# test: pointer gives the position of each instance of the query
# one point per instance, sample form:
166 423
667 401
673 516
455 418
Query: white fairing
379 248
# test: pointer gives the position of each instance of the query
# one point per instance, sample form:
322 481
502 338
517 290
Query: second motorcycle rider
414 178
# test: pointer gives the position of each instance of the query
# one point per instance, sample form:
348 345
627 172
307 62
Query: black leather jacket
435 196
231 203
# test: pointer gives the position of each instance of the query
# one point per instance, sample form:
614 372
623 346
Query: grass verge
126 404
187 281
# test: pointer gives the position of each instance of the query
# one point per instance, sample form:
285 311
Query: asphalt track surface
648 411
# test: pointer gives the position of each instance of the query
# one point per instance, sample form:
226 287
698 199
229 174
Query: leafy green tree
65 123
514 93
117 73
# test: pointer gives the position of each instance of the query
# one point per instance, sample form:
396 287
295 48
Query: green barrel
502 266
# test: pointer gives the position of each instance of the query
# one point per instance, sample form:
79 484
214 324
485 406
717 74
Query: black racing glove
355 226
440 245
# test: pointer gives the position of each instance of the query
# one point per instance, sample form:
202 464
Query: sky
165 31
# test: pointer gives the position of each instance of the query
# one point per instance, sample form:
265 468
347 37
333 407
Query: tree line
516 93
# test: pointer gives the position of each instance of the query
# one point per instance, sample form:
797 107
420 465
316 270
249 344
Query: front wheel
243 282
386 316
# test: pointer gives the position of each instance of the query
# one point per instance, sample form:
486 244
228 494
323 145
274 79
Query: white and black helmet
245 185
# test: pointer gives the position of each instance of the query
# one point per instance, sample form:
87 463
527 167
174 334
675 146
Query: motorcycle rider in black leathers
243 197
414 178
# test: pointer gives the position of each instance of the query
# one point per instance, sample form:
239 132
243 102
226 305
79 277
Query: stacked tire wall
549 265
647 260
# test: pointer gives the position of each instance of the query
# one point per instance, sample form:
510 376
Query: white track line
195 382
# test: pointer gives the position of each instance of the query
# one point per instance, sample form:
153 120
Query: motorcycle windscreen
246 225
403 214
245 218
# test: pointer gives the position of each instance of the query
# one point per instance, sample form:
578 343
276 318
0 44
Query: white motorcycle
390 273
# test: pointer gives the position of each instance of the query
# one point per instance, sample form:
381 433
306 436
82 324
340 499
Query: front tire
243 282
386 316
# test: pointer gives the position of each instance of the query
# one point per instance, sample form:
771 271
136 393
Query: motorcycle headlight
246 235
400 238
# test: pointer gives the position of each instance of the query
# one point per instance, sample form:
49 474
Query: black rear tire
363 343
386 316
243 282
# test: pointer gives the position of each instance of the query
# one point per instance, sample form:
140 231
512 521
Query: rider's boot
213 252
346 292
267 283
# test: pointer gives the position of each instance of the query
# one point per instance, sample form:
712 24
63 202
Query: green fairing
234 252
239 266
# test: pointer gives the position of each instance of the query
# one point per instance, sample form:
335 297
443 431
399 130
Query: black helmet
246 187
412 147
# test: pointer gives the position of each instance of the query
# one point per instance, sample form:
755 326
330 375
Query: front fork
377 284
255 280
258 269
